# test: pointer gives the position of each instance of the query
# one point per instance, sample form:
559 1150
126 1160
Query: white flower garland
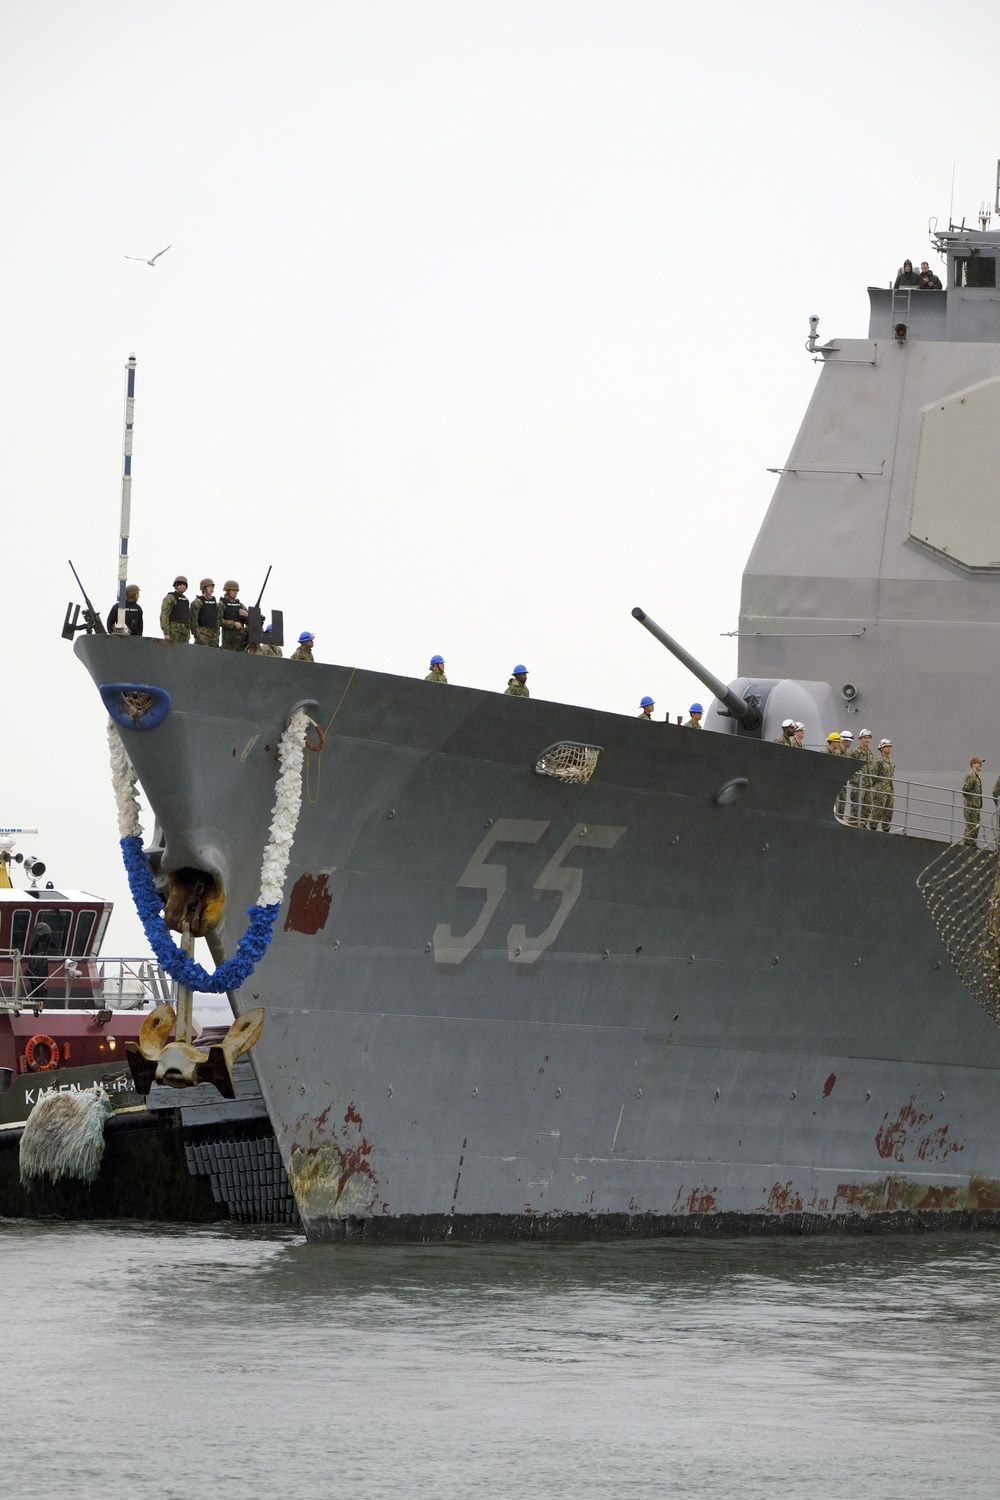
287 806
123 779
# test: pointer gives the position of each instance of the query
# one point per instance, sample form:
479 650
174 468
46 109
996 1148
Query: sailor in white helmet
786 737
799 734
883 797
846 746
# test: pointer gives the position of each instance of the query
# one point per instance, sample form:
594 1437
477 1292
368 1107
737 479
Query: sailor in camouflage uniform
787 733
268 648
861 782
883 796
436 673
833 743
175 613
696 712
517 687
304 650
846 745
972 796
234 618
646 707
205 615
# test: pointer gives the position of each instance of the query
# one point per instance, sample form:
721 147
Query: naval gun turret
756 707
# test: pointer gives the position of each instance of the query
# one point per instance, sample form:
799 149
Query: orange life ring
320 737
41 1040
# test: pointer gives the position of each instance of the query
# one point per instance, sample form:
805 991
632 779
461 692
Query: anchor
178 1063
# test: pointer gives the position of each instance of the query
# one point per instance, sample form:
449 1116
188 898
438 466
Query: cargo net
569 761
962 891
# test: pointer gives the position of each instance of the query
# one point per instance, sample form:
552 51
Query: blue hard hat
696 708
437 661
306 635
518 670
647 702
267 629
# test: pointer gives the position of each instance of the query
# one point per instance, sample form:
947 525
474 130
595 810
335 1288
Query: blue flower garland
228 976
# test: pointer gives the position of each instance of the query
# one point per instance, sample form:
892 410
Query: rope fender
274 866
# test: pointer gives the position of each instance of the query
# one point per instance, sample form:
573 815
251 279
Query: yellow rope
313 799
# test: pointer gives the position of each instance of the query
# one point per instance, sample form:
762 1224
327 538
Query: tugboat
68 1014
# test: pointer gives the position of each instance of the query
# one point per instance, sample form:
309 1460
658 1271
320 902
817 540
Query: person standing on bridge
972 796
882 792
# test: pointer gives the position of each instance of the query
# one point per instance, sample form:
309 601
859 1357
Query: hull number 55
480 875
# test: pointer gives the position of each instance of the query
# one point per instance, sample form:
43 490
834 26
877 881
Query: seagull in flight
155 257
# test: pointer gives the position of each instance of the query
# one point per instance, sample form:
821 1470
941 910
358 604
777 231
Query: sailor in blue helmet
436 673
696 712
646 706
304 650
517 686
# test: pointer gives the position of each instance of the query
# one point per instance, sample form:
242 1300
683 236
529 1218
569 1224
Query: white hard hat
885 744
845 734
788 723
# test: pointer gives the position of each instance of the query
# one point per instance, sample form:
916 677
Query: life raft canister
52 1055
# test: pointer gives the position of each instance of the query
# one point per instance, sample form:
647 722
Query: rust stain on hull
331 1175
905 1137
308 905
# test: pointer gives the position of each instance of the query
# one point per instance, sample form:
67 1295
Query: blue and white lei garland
148 904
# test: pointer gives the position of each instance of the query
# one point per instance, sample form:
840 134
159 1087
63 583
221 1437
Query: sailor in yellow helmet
833 743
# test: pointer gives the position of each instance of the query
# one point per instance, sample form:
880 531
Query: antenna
996 201
984 214
126 490
951 204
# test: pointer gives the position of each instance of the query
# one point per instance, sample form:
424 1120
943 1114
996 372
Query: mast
126 490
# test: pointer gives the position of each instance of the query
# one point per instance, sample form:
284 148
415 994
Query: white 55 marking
567 882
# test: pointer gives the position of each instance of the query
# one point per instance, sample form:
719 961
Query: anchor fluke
178 1063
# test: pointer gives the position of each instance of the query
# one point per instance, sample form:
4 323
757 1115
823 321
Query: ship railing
918 810
105 983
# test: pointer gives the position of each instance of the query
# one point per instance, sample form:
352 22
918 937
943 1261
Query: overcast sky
481 321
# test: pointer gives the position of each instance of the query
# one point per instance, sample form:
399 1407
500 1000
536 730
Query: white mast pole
126 491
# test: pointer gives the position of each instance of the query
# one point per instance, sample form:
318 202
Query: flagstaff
126 492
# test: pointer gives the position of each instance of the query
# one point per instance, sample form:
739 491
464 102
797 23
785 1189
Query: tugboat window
84 927
19 930
975 270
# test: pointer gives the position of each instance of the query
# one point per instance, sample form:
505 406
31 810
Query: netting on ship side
569 761
962 890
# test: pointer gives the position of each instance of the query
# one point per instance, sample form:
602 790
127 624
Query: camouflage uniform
972 795
517 689
642 714
690 724
234 632
883 797
173 629
303 652
861 784
268 650
433 676
205 635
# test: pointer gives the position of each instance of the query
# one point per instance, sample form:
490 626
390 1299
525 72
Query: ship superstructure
877 567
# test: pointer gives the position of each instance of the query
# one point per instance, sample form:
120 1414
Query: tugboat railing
108 983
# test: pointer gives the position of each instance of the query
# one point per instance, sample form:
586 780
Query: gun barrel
736 705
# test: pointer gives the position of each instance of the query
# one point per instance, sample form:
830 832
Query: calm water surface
220 1363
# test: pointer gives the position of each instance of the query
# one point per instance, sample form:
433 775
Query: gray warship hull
500 1005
